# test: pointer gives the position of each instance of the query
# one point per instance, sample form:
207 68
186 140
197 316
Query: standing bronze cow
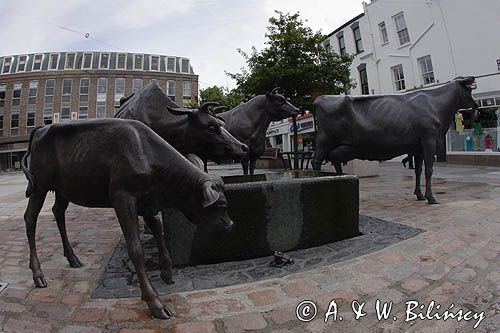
121 164
248 122
381 127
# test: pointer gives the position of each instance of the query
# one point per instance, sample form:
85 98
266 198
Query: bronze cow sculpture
248 122
381 127
121 164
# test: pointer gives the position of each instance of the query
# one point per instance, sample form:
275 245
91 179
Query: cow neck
448 100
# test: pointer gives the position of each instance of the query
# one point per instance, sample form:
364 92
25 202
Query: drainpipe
374 51
448 38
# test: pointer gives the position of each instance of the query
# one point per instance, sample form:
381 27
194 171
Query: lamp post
295 144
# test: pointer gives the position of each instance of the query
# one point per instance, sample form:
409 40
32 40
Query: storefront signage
277 130
303 126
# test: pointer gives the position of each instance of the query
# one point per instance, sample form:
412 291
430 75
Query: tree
296 61
222 95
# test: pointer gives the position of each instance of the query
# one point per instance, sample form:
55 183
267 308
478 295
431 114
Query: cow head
210 206
205 135
278 107
466 85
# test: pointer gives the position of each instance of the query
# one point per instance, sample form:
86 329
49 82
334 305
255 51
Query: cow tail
24 164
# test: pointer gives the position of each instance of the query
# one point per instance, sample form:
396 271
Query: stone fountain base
281 211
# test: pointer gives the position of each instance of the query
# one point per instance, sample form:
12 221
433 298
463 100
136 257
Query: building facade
44 88
405 45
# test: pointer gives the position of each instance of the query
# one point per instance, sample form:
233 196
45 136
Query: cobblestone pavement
456 260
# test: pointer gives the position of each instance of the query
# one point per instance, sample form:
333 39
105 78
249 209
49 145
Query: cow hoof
421 198
161 313
74 261
432 202
167 277
40 281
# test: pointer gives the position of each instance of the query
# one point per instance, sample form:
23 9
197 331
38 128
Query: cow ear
210 196
179 111
196 161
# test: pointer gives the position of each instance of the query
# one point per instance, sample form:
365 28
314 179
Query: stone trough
278 211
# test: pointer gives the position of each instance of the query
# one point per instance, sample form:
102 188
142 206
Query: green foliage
222 95
296 61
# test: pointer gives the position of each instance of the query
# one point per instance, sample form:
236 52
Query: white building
403 45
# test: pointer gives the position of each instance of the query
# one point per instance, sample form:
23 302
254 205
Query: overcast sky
206 31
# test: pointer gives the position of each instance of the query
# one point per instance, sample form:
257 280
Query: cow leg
418 172
244 165
59 208
429 164
319 157
338 167
340 154
125 208
35 204
163 254
252 166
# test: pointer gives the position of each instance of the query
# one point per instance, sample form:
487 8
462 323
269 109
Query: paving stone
26 326
194 327
283 314
88 314
142 330
79 329
121 315
264 297
244 322
414 285
300 288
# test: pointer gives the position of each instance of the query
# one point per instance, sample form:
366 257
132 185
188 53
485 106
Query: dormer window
70 61
104 61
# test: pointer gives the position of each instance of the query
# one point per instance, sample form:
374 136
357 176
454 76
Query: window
70 62
171 89
399 78
170 64
83 109
357 39
7 61
327 45
37 62
32 93
383 33
186 89
14 123
155 63
48 107
342 44
3 88
102 86
87 60
102 89
66 90
136 85
30 121
84 90
104 61
122 61
65 113
21 65
101 110
402 30
83 112
138 61
184 65
119 90
426 69
16 94
54 61
364 81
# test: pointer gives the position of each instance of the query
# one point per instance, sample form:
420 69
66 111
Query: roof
346 24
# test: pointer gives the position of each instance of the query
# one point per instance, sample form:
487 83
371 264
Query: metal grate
3 285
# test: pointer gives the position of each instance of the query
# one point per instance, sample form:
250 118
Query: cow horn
275 90
207 105
219 108
179 111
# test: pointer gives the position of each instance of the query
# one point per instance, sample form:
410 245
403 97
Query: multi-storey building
400 46
43 88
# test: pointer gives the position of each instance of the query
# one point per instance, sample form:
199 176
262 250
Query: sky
208 32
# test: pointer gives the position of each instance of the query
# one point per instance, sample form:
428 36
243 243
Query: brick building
43 88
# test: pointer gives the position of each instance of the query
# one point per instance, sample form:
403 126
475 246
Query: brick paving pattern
456 260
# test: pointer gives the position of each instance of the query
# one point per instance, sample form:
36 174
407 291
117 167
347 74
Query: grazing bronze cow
248 122
381 127
121 164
